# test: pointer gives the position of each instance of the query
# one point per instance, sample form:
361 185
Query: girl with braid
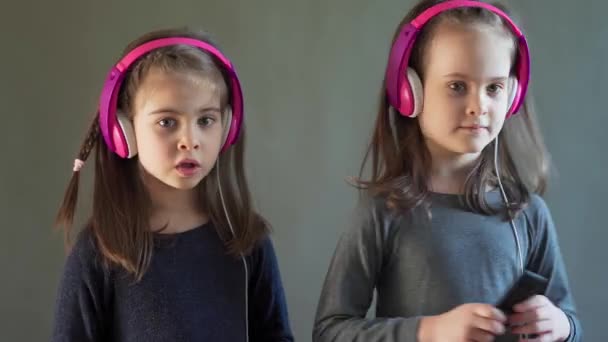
173 249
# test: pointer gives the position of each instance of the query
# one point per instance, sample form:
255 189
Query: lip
188 161
474 128
187 167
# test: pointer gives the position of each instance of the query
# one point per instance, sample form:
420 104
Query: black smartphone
528 285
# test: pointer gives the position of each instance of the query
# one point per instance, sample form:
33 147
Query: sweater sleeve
80 303
268 316
546 259
350 282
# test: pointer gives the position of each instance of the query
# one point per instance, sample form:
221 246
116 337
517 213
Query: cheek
439 116
432 124
438 100
141 132
498 126
143 138
214 137
151 143
499 113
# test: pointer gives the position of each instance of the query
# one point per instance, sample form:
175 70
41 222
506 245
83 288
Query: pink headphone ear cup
227 125
128 149
513 87
417 92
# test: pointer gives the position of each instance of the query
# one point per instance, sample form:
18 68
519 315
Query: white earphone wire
219 185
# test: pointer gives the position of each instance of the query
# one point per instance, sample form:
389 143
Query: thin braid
65 215
90 141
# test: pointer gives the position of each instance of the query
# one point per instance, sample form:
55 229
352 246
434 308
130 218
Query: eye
495 88
167 123
206 121
457 87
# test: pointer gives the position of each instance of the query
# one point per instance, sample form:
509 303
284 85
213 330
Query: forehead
167 87
478 51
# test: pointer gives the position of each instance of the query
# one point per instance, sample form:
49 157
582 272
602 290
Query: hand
538 316
467 322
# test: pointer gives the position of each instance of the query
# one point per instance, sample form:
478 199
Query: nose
477 104
189 140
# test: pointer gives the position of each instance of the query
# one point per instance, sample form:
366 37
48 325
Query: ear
129 148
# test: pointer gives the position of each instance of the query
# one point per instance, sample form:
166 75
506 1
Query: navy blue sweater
193 291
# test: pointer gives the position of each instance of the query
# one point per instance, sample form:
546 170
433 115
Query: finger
489 325
488 311
537 327
537 314
531 303
536 338
479 335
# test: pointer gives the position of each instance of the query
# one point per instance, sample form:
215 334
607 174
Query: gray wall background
310 71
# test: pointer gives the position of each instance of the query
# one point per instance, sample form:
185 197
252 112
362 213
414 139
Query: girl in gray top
449 219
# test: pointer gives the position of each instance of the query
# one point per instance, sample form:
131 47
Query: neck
449 171
175 209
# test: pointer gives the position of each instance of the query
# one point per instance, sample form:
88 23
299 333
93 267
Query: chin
472 150
182 184
467 149
473 146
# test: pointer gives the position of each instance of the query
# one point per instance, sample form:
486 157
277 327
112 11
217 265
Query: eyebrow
459 75
165 110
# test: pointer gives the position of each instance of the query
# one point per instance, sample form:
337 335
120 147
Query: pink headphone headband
398 89
113 134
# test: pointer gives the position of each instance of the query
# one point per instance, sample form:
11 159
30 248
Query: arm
546 259
349 285
268 316
79 304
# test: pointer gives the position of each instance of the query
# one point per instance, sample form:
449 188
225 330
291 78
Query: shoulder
539 219
374 209
263 249
263 261
84 257
537 211
373 222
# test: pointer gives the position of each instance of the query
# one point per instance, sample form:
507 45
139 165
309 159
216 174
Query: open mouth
188 167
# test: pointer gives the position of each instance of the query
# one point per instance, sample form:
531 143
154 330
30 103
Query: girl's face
466 82
178 127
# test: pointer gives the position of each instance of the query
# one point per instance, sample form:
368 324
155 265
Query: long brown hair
121 205
400 160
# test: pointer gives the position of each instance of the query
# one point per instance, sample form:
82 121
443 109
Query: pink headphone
405 94
117 129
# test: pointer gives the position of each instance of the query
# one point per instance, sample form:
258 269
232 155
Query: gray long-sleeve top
421 265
